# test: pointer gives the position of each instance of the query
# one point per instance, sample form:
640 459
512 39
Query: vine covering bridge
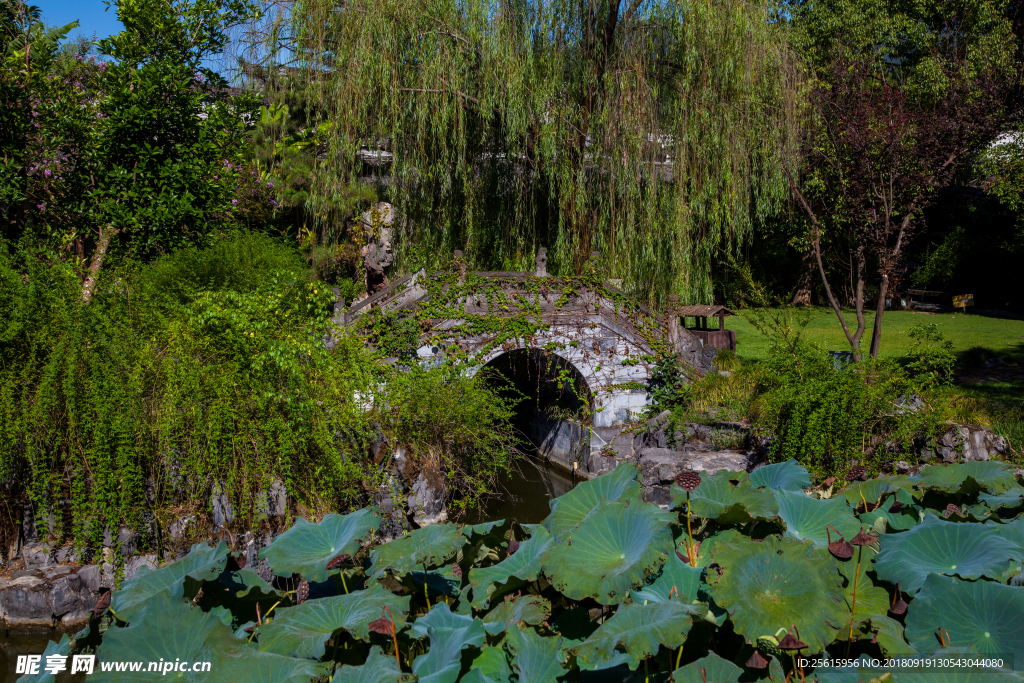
580 326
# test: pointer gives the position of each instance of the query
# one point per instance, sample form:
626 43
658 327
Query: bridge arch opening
555 409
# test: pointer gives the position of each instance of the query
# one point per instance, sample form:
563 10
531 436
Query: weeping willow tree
648 130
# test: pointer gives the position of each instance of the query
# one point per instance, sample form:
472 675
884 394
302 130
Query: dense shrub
208 369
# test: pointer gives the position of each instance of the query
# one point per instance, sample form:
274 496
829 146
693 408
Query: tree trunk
876 332
802 296
102 245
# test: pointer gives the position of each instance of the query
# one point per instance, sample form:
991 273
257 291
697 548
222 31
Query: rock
659 495
36 555
659 466
427 499
222 512
137 562
67 594
25 602
126 540
713 461
54 572
91 577
179 527
965 442
905 404
107 574
602 461
18 573
77 618
626 445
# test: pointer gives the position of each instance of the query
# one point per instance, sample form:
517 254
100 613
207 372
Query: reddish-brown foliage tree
880 148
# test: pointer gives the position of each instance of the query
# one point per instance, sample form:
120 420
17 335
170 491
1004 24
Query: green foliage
533 94
931 356
207 369
690 623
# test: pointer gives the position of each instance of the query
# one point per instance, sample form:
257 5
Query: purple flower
47 173
41 207
234 202
270 184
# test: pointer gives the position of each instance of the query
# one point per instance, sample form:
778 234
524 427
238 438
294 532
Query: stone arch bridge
584 327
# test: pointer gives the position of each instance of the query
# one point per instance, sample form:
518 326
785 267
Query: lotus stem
647 675
853 610
679 656
689 534
426 596
394 637
342 575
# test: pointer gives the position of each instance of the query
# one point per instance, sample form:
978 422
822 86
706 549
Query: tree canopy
648 130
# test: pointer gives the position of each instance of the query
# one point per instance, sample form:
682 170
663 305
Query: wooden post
721 321
672 319
462 265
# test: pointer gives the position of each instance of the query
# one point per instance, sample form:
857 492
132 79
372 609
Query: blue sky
92 16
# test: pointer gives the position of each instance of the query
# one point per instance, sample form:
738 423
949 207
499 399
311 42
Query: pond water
27 642
526 492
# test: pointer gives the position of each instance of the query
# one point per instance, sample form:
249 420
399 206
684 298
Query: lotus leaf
441 580
870 597
1013 498
777 583
894 521
202 563
571 508
1012 532
491 666
983 615
687 581
379 668
610 552
931 675
871 490
788 476
430 546
846 674
717 498
170 630
529 609
969 477
306 548
537 659
471 530
708 669
62 647
524 564
301 631
967 550
879 628
449 635
640 630
245 583
807 518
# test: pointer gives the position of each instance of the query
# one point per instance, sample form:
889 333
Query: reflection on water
28 642
525 494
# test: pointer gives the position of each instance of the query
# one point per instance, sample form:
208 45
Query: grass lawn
974 337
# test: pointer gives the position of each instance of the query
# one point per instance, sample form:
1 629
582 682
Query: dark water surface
28 642
525 494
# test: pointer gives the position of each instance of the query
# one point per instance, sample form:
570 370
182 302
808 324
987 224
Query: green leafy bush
208 370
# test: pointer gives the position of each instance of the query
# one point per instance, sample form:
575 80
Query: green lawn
974 337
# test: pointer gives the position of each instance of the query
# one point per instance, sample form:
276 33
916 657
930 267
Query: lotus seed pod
769 645
857 473
688 480
841 549
952 510
302 592
864 539
896 506
338 561
756 661
792 642
381 626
